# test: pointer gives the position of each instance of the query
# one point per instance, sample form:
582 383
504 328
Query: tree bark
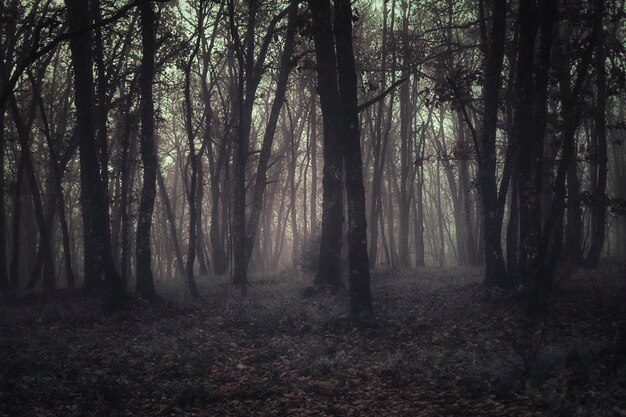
4 272
358 263
167 206
98 255
495 270
268 137
405 162
44 231
329 266
598 192
145 280
193 163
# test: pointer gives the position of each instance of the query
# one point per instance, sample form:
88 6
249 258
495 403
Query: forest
313 207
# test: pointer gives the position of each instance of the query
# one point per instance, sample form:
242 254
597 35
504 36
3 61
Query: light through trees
160 143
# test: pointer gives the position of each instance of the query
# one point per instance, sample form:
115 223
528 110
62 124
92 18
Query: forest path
441 345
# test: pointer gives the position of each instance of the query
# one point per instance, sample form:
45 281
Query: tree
260 183
145 281
358 263
598 191
495 270
193 162
329 266
98 255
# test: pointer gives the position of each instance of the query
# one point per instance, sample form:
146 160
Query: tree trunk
128 158
329 267
598 192
98 255
495 271
145 280
44 231
4 272
574 228
268 138
381 137
313 121
359 274
405 162
203 263
14 266
193 163
171 219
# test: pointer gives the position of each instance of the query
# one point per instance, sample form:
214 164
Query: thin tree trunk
193 163
44 231
405 123
380 147
313 121
145 280
14 266
598 192
4 272
268 137
574 228
172 223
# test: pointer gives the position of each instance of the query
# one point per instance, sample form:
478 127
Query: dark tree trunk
219 256
293 161
313 122
242 104
404 204
529 130
465 201
44 231
523 138
598 192
128 159
4 272
495 270
58 164
329 267
359 274
145 281
574 229
14 266
193 186
551 242
419 220
512 231
101 104
98 256
167 206
203 262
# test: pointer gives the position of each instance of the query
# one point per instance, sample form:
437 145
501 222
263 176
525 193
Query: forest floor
441 345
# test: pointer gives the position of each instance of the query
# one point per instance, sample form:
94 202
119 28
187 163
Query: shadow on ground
441 345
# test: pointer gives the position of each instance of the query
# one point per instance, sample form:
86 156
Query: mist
312 207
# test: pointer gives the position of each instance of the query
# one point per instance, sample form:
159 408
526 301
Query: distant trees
542 169
391 134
